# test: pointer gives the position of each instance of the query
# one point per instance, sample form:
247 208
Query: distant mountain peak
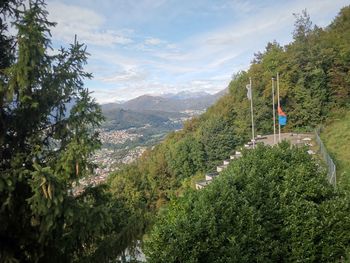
186 94
178 102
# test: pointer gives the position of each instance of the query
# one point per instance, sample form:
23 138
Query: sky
157 47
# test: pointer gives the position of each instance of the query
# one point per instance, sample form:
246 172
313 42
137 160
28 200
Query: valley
83 181
129 129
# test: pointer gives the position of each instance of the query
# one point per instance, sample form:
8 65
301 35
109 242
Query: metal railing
332 171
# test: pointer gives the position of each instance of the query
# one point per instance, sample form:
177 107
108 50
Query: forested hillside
314 81
273 205
45 151
118 119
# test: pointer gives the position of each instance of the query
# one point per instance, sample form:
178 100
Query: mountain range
157 110
185 95
178 102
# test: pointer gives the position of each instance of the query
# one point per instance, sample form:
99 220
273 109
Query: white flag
249 91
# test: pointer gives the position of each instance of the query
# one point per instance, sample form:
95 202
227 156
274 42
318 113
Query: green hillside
119 119
45 153
336 136
314 81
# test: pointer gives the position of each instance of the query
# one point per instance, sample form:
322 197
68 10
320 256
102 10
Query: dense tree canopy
314 81
45 149
272 205
313 70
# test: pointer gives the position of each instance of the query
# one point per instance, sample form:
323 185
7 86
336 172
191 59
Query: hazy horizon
167 46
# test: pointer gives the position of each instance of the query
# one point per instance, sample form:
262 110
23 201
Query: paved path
293 138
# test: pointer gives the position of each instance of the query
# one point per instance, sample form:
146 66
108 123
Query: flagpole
273 111
278 105
251 110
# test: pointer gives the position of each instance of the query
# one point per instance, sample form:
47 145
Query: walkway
294 138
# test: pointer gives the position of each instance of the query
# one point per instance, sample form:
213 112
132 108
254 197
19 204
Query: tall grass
336 137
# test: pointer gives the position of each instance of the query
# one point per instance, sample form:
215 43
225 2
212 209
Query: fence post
327 158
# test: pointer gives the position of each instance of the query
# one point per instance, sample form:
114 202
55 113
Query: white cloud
153 41
83 22
201 62
130 91
128 75
221 47
103 95
236 5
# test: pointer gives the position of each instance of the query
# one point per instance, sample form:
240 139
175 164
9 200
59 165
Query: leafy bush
272 205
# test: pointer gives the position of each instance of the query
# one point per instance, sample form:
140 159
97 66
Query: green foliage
314 80
336 136
186 157
218 139
119 119
272 205
313 76
45 150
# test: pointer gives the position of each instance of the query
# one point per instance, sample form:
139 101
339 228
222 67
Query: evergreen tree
46 148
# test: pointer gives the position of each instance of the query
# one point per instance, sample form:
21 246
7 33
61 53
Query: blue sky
166 46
